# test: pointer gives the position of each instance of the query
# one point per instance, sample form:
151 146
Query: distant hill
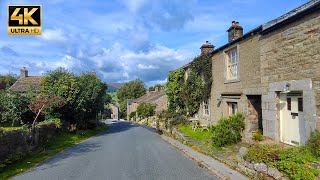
112 87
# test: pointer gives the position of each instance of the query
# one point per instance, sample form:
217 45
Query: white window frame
231 108
232 64
206 107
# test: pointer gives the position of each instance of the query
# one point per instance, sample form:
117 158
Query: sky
123 40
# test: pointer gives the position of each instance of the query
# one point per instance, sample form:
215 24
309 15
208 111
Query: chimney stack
23 72
235 31
207 48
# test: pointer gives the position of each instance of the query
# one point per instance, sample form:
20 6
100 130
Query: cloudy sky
124 40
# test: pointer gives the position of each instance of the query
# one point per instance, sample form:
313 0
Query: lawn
57 144
195 135
6 129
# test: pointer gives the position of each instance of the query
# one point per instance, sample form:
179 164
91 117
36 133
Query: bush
228 130
56 122
178 118
314 143
295 162
263 153
257 136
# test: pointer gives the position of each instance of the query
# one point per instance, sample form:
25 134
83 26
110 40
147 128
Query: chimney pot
23 72
207 48
235 31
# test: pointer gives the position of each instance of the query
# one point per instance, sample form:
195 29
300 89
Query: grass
195 135
57 144
7 129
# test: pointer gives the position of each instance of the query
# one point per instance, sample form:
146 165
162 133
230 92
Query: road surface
124 151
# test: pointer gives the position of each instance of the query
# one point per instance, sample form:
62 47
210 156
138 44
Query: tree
152 88
65 84
13 107
83 95
131 90
6 81
175 87
44 104
146 110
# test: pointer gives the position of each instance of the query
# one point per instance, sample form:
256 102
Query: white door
292 121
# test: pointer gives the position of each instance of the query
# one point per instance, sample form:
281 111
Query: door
292 120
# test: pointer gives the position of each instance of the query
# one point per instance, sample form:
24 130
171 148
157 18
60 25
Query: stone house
290 73
115 112
157 97
236 85
26 82
204 112
271 75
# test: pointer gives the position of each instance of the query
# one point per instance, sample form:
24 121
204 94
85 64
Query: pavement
124 151
219 169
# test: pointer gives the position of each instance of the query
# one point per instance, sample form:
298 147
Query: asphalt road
124 151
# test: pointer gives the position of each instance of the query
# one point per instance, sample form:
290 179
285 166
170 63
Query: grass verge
197 135
57 144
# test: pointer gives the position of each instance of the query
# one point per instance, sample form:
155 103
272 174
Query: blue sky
124 40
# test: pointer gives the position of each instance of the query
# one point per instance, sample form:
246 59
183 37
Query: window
206 107
232 64
289 104
233 107
300 104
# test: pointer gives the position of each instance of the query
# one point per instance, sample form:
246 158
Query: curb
199 161
221 176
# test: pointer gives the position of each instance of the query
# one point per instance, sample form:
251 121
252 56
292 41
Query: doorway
292 121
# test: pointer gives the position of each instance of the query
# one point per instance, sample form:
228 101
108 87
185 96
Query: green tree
175 86
13 107
83 95
65 84
146 110
130 90
6 81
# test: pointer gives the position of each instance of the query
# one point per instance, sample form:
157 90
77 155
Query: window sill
232 81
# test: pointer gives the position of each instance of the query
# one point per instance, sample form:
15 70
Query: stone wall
291 54
15 144
249 82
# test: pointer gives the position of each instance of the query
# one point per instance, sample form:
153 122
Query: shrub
56 122
314 143
257 136
228 130
263 153
295 162
178 118
132 115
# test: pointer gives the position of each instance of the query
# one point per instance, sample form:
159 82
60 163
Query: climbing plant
188 94
175 86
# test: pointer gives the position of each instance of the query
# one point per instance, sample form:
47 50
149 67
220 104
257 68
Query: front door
292 121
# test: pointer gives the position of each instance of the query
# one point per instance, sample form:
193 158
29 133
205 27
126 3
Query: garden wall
17 143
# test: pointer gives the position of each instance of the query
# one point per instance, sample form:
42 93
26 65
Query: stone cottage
290 74
204 112
271 75
157 97
236 85
115 111
26 82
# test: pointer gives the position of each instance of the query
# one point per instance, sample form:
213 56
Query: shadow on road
88 146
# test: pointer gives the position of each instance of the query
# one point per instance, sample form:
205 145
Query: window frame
230 108
206 107
232 60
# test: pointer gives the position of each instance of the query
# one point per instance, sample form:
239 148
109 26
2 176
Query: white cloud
53 35
143 66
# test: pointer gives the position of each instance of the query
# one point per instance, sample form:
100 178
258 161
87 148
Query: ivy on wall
175 86
190 93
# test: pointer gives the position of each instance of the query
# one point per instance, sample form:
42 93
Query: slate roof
151 97
24 84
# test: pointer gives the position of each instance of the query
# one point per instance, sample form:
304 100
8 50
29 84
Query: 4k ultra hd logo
24 20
